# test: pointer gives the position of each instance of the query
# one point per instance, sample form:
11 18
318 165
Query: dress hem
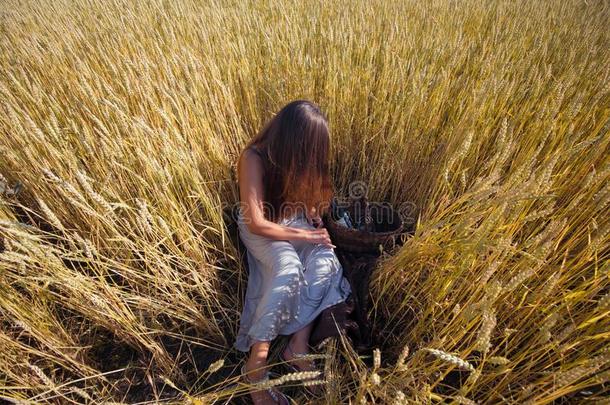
290 332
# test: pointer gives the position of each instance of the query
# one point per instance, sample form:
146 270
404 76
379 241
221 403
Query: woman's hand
319 236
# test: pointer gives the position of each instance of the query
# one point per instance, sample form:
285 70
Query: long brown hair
295 147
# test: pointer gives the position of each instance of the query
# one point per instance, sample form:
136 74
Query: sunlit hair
295 144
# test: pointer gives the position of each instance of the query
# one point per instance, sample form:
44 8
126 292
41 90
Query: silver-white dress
289 283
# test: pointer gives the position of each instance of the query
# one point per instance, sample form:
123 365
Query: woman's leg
272 295
256 365
322 268
299 343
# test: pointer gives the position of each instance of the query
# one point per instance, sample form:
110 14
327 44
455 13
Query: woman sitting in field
294 273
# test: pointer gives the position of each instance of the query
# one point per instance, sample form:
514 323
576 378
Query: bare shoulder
250 157
251 163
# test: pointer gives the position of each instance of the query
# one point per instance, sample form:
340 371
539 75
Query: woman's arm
251 196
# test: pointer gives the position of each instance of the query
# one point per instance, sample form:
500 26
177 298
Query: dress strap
258 152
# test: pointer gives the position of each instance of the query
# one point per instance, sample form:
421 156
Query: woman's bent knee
322 258
283 258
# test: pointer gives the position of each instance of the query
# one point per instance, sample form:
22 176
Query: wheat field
120 122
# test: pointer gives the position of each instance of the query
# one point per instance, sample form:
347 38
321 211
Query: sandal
311 389
276 394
